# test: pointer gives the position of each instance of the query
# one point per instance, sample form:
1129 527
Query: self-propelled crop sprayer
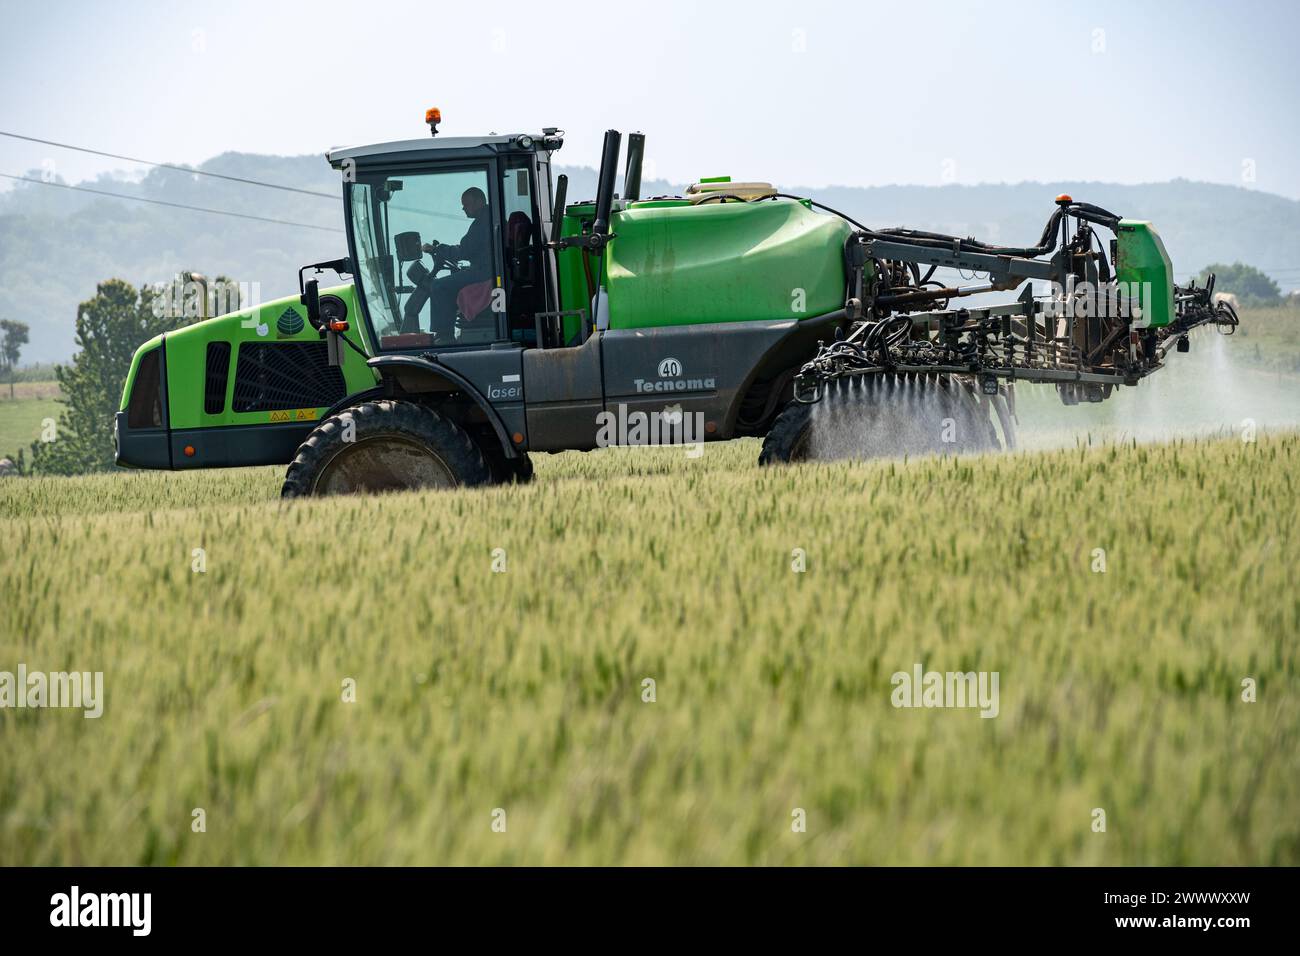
488 318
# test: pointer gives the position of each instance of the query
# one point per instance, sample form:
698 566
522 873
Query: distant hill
56 244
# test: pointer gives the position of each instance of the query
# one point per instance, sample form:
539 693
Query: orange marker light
338 325
189 451
433 115
1064 198
518 437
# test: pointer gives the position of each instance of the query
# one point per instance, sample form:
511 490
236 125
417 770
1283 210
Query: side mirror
311 302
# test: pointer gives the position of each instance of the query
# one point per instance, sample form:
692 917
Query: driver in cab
475 247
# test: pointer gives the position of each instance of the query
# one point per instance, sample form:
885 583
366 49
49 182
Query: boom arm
1105 322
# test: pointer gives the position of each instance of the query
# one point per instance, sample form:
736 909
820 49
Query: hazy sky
852 92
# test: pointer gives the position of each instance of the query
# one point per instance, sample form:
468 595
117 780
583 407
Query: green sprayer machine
489 317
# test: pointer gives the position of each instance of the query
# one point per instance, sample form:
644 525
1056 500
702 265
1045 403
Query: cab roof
409 150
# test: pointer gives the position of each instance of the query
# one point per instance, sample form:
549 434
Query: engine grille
272 376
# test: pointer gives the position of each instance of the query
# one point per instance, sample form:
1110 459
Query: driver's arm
475 246
455 253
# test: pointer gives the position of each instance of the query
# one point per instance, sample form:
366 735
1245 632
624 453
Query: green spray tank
683 262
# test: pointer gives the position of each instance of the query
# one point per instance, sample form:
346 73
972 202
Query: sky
797 93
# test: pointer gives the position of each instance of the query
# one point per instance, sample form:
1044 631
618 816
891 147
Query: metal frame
1084 352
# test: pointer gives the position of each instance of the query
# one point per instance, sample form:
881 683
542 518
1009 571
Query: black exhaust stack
632 175
557 209
605 189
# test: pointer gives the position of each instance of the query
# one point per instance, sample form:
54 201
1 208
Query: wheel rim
377 465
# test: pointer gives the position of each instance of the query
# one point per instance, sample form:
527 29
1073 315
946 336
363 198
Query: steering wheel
440 262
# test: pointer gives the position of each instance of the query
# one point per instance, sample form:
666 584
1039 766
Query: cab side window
525 294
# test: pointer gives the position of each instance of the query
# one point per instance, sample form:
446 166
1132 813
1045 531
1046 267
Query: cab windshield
427 265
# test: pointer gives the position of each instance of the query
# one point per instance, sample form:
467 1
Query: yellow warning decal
295 415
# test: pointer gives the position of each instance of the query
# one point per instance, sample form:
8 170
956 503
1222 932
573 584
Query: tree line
109 328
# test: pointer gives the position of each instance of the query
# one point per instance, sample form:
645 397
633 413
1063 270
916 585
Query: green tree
1248 284
110 327
13 336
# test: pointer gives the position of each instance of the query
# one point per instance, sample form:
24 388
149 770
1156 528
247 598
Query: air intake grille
214 392
272 376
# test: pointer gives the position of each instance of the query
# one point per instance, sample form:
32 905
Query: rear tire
789 437
389 446
505 470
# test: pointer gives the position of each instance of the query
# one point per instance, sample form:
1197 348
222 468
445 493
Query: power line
1277 268
174 205
265 185
200 172
183 169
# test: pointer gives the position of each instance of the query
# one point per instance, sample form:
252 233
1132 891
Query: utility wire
200 172
174 205
183 169
256 182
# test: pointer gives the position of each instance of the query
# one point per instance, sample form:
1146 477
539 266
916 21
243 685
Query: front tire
384 446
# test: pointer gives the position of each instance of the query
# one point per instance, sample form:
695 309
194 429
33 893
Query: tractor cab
447 239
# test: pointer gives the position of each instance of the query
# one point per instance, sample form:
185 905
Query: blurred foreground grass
523 690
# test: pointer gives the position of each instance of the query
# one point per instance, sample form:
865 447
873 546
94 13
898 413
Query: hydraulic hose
936 240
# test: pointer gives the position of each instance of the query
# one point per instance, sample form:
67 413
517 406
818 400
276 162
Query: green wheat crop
523 690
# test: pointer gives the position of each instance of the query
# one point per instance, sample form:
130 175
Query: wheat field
462 677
